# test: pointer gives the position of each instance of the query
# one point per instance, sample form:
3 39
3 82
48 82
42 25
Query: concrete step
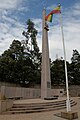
29 106
38 107
43 103
33 111
39 104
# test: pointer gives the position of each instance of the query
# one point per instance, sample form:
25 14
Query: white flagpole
67 89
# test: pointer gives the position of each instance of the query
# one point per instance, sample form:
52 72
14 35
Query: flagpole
67 89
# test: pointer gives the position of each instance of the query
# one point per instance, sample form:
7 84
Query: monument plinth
45 73
69 115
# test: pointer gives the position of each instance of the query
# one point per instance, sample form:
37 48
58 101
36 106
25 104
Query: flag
50 15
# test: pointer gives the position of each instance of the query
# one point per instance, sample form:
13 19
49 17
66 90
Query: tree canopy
21 63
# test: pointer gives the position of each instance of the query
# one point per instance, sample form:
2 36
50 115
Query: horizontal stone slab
69 115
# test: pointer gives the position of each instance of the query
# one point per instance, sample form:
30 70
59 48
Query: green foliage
57 72
19 68
30 41
21 63
75 56
30 44
75 68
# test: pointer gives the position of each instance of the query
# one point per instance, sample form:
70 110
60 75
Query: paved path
41 115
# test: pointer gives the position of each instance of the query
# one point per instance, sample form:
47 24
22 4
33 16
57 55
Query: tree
57 72
15 51
20 64
75 68
75 56
12 62
30 44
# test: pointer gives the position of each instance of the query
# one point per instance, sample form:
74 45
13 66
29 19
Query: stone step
26 105
35 107
33 111
39 104
38 108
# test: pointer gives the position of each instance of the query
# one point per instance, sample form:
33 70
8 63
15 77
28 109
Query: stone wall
20 92
74 90
5 105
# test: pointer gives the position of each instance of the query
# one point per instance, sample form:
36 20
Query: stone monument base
69 115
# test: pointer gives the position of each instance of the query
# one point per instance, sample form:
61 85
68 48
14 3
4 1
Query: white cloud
9 4
38 24
71 29
51 7
7 40
71 38
11 29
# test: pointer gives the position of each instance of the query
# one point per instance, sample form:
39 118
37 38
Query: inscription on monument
48 84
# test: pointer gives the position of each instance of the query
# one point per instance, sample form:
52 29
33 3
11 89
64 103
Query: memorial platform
38 105
47 115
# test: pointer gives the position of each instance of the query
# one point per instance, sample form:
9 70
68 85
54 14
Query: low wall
5 105
20 92
11 92
74 90
57 92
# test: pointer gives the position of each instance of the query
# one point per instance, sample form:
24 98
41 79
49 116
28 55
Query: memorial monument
45 73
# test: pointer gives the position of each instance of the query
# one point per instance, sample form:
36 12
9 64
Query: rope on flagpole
67 89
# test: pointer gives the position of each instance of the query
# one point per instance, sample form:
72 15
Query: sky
15 13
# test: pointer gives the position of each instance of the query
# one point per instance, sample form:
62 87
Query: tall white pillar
45 73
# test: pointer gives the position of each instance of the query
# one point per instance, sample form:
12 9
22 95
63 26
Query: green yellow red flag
50 15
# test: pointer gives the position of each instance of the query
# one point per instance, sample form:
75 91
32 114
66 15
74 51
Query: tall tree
15 66
75 56
31 42
57 72
20 64
75 67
